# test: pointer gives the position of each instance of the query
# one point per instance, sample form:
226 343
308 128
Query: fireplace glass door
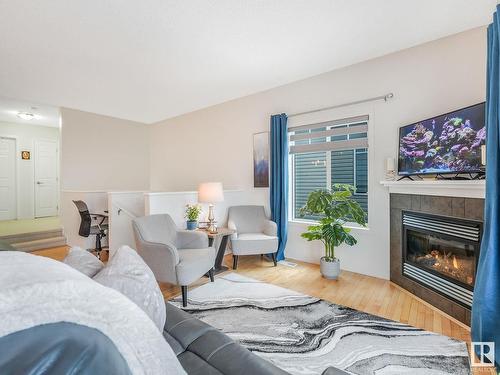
451 258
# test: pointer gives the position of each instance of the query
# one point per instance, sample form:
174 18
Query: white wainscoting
174 203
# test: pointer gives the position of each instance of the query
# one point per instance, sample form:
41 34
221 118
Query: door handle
39 183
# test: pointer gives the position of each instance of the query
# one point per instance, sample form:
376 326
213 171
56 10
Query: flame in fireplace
447 263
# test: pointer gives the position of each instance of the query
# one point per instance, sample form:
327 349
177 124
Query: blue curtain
486 304
279 179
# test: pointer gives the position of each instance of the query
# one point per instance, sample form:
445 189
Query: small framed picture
25 155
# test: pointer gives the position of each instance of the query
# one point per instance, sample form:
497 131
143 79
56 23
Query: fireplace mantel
446 188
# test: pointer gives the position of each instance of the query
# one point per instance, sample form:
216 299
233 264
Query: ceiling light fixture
25 115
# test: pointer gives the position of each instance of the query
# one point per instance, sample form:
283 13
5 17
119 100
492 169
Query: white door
46 178
8 205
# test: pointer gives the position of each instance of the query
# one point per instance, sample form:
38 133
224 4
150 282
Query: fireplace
441 253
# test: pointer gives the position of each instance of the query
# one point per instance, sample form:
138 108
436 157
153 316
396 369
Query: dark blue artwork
261 159
449 143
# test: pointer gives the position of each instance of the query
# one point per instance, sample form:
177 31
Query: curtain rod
376 98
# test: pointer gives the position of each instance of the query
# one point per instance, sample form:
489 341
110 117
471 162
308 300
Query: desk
219 241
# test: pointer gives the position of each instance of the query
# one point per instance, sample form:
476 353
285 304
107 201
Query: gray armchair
255 233
175 256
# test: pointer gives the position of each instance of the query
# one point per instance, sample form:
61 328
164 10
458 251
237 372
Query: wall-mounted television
449 143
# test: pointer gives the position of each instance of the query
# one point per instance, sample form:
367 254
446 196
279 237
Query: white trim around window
358 143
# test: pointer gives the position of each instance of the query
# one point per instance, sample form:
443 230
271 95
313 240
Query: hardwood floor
369 294
58 253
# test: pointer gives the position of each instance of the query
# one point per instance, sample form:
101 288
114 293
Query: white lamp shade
210 192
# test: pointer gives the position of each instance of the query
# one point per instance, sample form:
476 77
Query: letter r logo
485 354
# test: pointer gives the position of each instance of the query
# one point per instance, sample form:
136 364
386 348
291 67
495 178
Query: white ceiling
44 115
154 59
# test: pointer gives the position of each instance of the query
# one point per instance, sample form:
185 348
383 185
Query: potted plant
334 208
193 212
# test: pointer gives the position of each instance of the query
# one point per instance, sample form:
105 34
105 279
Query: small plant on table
193 212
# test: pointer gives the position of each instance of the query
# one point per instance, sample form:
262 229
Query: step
43 243
32 236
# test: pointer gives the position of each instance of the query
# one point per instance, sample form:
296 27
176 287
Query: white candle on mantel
390 164
483 154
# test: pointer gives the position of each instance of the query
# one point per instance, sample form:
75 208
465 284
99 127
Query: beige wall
215 144
103 153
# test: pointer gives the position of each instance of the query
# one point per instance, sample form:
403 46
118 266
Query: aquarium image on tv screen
450 143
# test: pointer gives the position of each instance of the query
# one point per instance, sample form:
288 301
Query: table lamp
210 192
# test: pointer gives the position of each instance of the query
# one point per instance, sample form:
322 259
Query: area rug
305 335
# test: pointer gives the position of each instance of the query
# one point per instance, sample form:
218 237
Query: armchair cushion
193 264
254 243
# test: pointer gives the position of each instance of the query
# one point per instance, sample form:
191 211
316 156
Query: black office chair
87 229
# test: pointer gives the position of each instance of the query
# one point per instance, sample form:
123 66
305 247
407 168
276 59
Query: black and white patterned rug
304 335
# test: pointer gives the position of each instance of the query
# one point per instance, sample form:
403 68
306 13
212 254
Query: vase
330 269
191 224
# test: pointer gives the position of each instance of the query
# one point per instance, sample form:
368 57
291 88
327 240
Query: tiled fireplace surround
459 207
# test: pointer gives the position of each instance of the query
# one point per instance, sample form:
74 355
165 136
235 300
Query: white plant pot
329 269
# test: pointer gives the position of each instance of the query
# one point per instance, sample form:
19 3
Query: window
334 152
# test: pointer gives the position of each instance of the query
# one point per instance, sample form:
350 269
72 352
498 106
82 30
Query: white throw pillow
37 290
83 261
127 273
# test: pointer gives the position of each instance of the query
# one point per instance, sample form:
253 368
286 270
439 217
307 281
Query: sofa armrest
191 239
270 228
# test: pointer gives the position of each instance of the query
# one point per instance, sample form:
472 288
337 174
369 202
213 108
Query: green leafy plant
336 208
193 212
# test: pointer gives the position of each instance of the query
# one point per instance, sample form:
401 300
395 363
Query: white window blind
332 135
